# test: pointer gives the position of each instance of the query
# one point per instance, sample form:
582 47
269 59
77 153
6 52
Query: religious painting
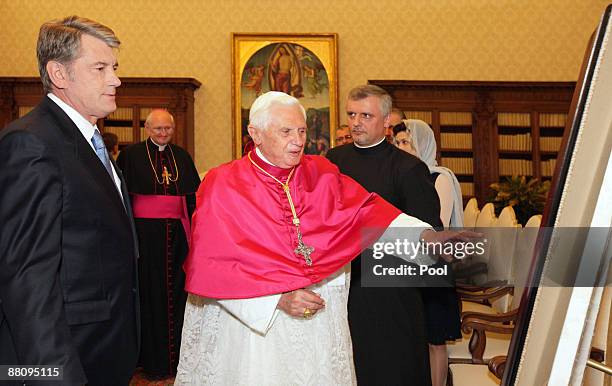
301 65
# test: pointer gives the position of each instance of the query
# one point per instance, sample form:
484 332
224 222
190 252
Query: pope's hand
295 303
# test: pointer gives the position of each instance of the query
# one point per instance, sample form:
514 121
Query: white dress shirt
86 128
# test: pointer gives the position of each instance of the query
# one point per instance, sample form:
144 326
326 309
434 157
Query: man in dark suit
68 281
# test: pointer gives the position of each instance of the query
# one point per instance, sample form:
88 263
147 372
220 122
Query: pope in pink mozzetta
268 273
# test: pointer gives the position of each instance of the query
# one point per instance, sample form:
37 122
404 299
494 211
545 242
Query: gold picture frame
302 65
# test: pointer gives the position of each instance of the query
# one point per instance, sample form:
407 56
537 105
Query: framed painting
302 65
551 343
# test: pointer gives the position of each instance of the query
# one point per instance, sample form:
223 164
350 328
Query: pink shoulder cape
243 238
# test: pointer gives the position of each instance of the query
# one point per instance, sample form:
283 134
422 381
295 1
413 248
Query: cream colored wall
541 40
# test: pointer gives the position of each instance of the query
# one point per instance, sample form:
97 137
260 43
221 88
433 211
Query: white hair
259 116
155 111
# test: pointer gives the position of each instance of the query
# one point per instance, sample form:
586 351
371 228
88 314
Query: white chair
503 238
459 351
485 220
519 266
486 216
486 329
470 213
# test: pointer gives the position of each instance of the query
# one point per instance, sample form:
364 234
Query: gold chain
285 187
154 169
301 249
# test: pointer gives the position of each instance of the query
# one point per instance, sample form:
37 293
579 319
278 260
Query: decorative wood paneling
545 103
134 94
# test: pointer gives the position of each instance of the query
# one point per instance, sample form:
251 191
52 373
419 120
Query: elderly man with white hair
268 273
162 180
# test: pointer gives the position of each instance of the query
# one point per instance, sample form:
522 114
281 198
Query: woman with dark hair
417 138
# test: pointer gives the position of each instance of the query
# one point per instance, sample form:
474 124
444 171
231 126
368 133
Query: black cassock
388 324
163 249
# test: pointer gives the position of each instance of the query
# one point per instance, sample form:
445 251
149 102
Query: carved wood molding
497 365
503 317
484 294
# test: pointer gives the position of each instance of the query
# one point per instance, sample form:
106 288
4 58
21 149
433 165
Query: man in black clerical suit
162 181
387 324
68 280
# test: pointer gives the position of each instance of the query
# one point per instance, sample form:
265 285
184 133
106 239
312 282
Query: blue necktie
101 152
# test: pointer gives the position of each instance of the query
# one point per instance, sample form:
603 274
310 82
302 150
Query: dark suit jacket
68 278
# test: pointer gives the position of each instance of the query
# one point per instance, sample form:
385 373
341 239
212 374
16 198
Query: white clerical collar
366 147
85 127
260 155
160 147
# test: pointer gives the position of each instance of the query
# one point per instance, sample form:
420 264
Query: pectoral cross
303 249
166 176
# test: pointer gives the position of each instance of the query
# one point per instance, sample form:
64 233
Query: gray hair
60 40
150 117
367 90
259 116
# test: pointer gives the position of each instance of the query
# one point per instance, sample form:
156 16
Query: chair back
484 222
470 213
486 218
503 236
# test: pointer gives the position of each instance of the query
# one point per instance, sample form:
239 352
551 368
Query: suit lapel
84 153
128 205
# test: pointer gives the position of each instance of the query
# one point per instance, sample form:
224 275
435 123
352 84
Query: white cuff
257 313
408 228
